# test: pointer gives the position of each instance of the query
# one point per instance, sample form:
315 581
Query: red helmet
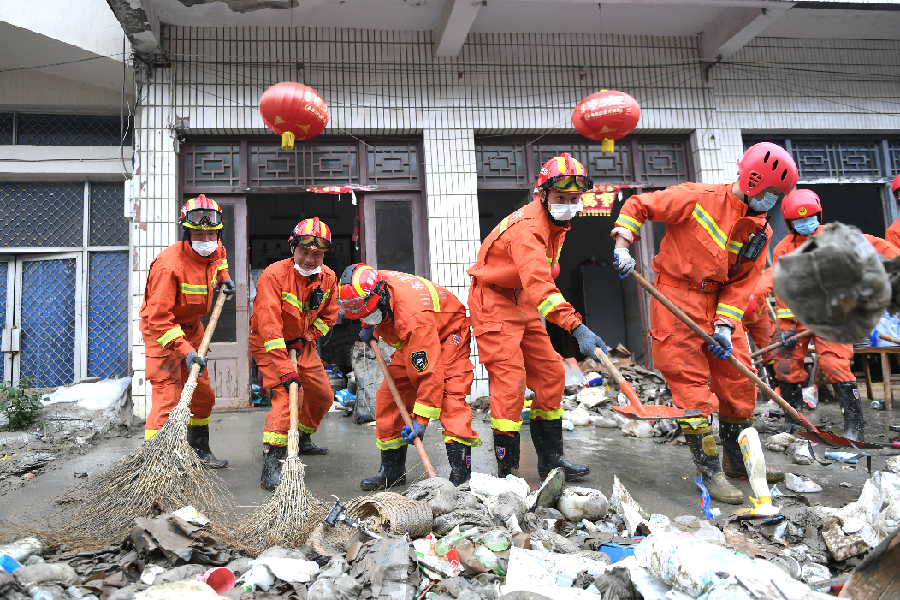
359 290
563 174
766 165
201 213
895 187
311 233
799 204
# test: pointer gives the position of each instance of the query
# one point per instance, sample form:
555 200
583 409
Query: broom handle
403 412
741 367
294 399
187 391
888 338
779 344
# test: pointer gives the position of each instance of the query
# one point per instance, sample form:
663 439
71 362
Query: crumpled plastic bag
578 503
341 588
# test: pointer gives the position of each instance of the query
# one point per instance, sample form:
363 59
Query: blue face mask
806 225
764 205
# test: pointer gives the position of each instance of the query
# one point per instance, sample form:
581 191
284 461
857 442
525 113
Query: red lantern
294 110
607 115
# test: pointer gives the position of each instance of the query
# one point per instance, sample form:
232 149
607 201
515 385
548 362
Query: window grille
837 158
500 163
69 130
305 165
108 315
894 149
40 215
6 129
391 163
212 165
109 226
662 160
48 321
603 168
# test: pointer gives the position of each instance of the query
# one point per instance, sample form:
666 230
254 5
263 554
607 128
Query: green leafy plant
19 406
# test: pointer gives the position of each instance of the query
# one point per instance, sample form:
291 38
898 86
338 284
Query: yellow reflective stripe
551 415
504 224
222 265
275 344
170 335
628 223
505 424
398 345
278 439
693 423
735 247
390 444
325 295
190 288
429 412
149 434
709 225
198 422
321 326
730 311
305 429
291 299
466 442
435 299
551 302
784 313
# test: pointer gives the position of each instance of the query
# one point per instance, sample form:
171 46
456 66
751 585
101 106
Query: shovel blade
655 412
837 441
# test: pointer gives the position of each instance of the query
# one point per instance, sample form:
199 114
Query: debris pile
490 538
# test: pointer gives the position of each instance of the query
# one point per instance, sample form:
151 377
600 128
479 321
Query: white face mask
373 318
564 212
306 273
204 248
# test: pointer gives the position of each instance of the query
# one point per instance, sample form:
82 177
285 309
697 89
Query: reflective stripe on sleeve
275 344
784 313
429 412
222 265
190 288
435 299
321 326
707 222
291 299
732 312
505 424
551 302
628 223
735 247
170 335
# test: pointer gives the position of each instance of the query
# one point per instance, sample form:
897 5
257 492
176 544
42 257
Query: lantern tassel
607 146
287 140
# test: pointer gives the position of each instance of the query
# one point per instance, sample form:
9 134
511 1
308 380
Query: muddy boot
198 439
770 371
793 393
393 470
848 395
460 458
307 447
706 456
506 449
272 461
548 443
732 459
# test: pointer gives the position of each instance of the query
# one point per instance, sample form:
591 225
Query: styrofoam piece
92 396
548 573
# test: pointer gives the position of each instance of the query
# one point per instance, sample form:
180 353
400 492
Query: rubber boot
198 439
548 443
506 449
460 458
393 470
848 396
793 393
706 457
273 457
770 371
307 447
732 459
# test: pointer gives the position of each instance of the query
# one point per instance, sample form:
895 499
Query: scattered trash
579 503
811 396
191 515
8 564
799 450
91 396
705 499
846 457
81 474
220 579
799 483
780 441
638 429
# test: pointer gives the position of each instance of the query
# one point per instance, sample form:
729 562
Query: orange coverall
512 288
179 292
834 358
431 367
757 320
892 235
281 314
707 227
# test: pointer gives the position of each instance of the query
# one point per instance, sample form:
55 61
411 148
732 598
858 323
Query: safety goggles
569 183
352 305
204 217
313 242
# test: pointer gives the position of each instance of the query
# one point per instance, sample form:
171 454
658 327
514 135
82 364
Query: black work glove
288 378
367 334
192 358
228 288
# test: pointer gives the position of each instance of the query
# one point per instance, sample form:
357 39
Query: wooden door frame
419 225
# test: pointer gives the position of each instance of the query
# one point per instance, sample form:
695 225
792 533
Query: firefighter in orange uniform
179 292
294 307
512 288
759 325
431 367
802 211
893 232
709 262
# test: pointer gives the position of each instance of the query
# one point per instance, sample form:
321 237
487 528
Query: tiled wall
380 83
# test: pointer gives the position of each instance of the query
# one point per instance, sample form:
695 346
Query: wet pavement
659 477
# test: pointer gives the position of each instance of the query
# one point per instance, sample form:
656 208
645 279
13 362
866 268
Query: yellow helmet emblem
802 210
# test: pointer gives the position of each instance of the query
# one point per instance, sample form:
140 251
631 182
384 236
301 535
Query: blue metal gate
4 286
48 321
108 315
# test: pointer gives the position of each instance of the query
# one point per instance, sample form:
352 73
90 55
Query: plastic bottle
489 560
497 540
449 541
755 462
877 404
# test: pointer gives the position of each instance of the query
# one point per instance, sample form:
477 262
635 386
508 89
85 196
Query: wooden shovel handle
294 402
741 367
420 448
779 344
621 381
204 343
